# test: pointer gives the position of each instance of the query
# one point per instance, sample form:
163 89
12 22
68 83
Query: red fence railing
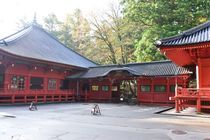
40 96
193 92
192 97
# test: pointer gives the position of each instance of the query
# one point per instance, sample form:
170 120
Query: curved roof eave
35 43
198 34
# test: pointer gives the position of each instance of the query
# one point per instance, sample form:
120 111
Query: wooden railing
39 96
192 97
193 92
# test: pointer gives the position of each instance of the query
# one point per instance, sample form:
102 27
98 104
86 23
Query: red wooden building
155 81
191 49
35 66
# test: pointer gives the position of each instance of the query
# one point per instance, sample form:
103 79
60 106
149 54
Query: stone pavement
190 111
75 122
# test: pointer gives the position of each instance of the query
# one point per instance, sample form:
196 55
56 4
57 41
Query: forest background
128 31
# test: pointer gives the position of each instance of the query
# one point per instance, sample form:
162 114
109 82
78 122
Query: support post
152 90
110 86
168 89
177 105
77 88
86 98
198 105
197 76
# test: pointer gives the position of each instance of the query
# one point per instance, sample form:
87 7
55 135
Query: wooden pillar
167 89
184 82
7 80
45 100
198 105
58 81
177 105
45 84
77 88
90 89
138 90
25 98
13 98
152 89
110 91
28 83
199 74
86 95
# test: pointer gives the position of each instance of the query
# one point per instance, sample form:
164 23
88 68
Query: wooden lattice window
160 88
17 82
51 84
36 83
95 88
105 88
172 88
145 88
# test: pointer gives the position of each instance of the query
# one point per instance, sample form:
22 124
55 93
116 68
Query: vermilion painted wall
157 97
36 71
204 72
99 95
142 97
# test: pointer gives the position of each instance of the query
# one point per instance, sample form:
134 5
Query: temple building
191 49
35 66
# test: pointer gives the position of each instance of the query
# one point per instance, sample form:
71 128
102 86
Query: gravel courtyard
73 121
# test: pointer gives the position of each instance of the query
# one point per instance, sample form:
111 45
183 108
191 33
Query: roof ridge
197 28
137 63
25 28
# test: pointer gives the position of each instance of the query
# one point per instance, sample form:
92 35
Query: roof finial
34 20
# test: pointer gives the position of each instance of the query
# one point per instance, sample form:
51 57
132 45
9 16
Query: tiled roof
34 42
156 68
198 34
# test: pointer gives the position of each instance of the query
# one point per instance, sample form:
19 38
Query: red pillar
198 105
199 73
152 89
167 89
138 90
110 87
177 105
45 84
28 83
13 98
7 79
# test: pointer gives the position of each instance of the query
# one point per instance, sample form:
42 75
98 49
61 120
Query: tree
61 30
23 22
113 35
51 23
80 31
161 19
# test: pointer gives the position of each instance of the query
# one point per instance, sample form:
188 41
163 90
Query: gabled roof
198 34
35 43
156 68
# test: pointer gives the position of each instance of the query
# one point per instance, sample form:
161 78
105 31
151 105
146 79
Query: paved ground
117 122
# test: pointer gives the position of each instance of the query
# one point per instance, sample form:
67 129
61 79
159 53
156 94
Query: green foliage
145 49
113 34
123 36
162 18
